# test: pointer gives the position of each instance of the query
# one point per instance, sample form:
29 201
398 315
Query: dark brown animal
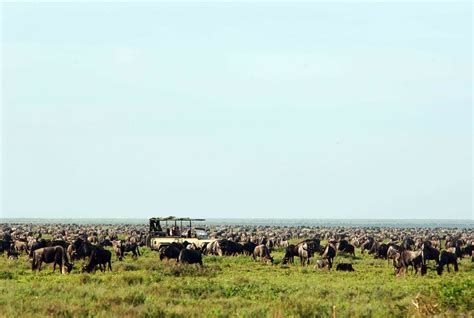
344 267
56 255
190 257
263 253
99 257
405 259
447 258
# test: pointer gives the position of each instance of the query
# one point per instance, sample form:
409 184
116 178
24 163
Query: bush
456 294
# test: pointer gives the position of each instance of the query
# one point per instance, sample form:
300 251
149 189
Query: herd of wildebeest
63 244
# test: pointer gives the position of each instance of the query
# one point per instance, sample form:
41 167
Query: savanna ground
233 286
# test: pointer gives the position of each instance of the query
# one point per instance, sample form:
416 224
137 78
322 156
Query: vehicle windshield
201 234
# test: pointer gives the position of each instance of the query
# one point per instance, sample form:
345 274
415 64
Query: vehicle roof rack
173 218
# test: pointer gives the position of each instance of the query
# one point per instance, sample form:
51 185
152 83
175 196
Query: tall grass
232 286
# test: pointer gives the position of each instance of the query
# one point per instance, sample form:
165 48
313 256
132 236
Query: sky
237 110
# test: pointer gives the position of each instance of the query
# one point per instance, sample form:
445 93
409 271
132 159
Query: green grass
232 286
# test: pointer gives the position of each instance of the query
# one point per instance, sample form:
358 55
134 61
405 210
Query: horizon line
248 218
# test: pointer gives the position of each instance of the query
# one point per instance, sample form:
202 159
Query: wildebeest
392 252
405 259
4 246
56 255
344 267
381 251
305 253
80 249
37 245
228 247
169 252
99 257
428 252
457 250
21 246
342 245
290 252
117 246
322 263
190 257
347 249
306 250
468 250
40 243
121 247
263 252
12 254
447 258
408 243
214 248
130 247
329 252
367 245
249 247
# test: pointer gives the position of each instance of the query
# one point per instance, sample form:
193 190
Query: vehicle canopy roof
173 218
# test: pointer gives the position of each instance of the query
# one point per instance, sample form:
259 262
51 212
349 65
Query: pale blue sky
237 110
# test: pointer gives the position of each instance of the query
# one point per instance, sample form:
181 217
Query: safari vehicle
173 230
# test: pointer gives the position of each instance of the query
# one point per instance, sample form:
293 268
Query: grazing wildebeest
322 263
290 252
190 257
423 269
263 252
55 254
12 254
382 250
428 252
392 252
344 267
21 246
99 257
447 258
407 258
170 251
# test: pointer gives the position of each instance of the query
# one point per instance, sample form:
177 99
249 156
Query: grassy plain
232 286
